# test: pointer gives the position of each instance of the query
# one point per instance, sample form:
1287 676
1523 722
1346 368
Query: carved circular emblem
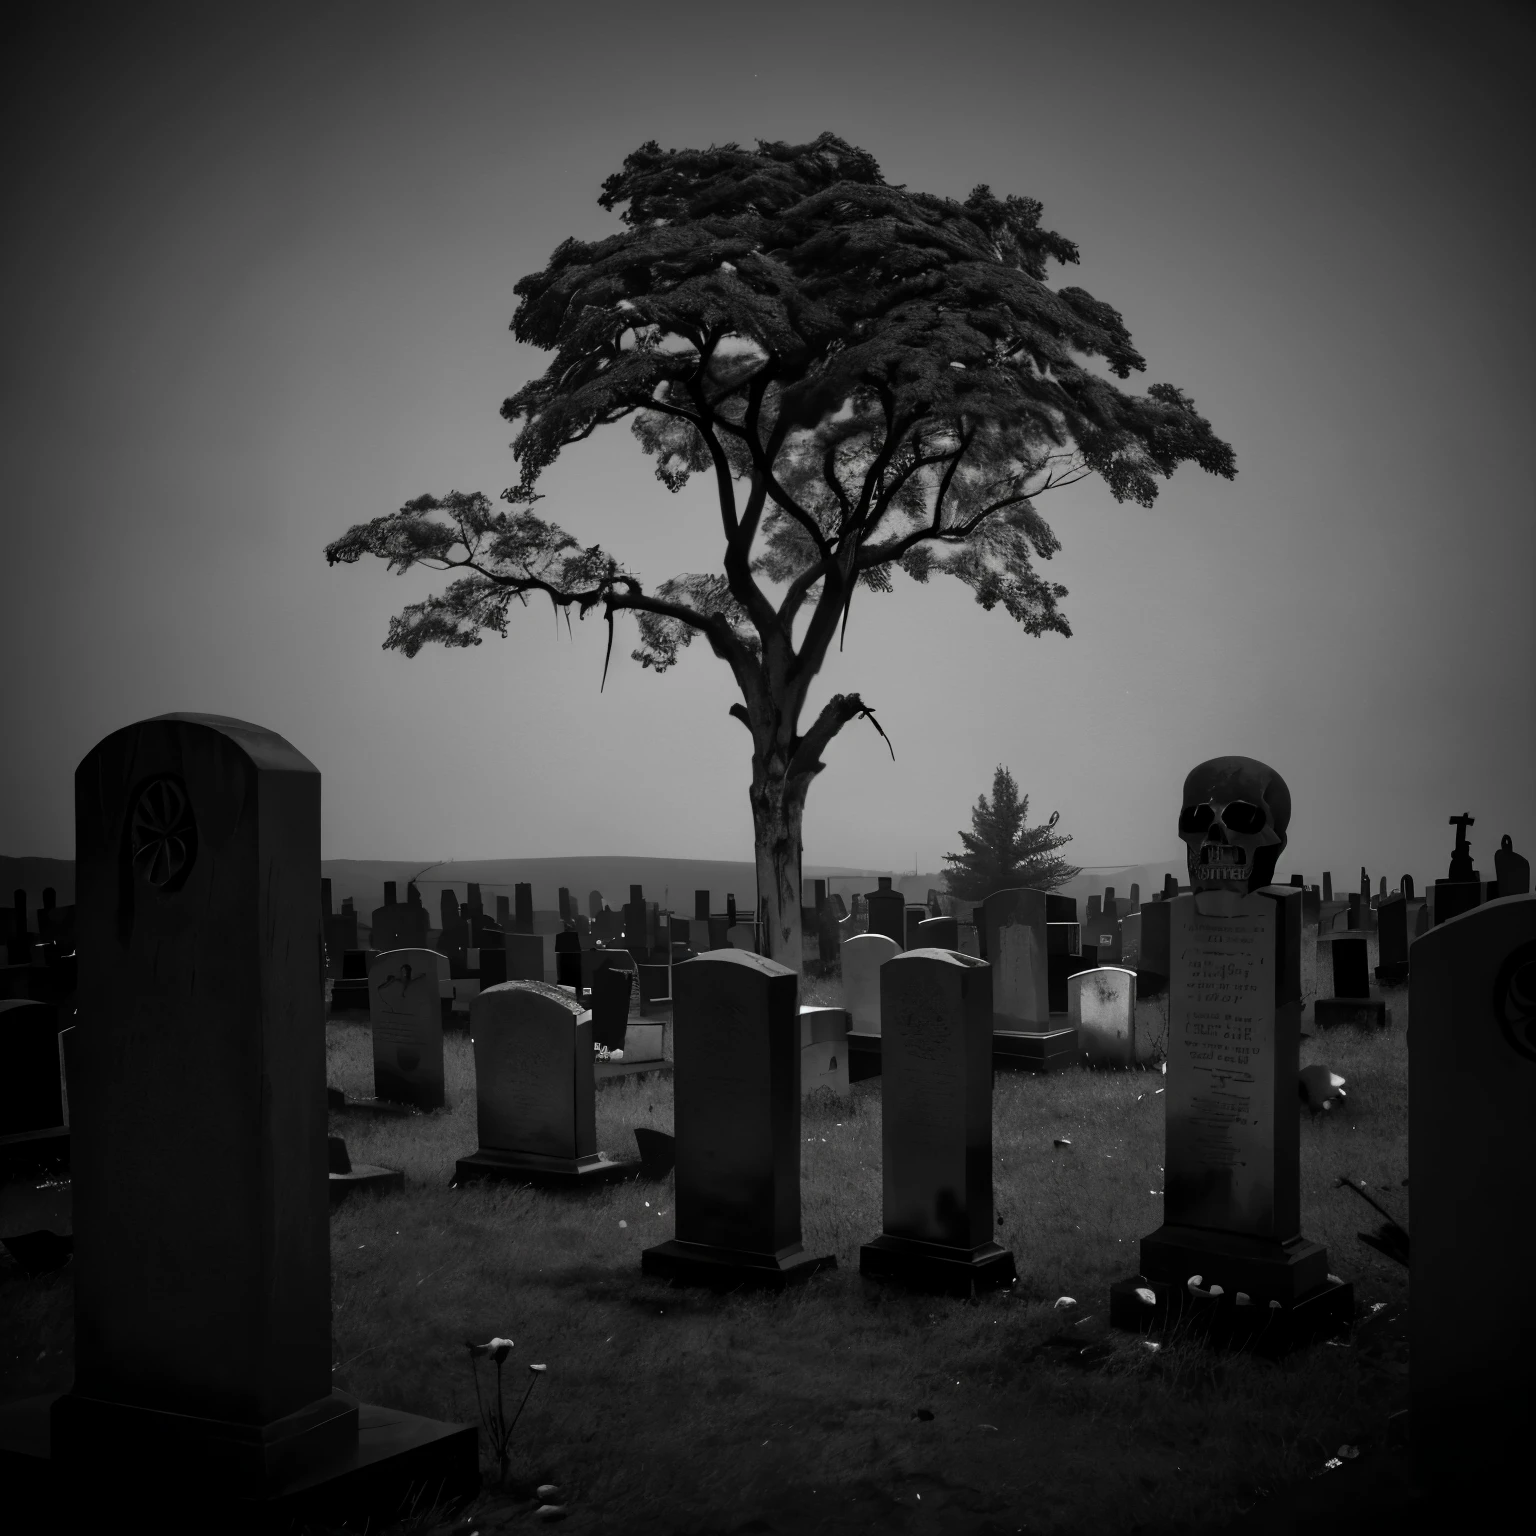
1514 1000
162 836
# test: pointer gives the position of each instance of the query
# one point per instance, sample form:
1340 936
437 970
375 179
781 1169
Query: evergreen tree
1002 851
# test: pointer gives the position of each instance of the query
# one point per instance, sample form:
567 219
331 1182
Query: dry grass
669 1410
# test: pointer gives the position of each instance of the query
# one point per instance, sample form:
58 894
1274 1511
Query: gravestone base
350 996
726 1268
34 1151
863 1056
1393 975
590 1172
1366 1012
387 1458
606 1073
365 1176
937 1267
401 1091
1266 1269
1037 1051
1220 1321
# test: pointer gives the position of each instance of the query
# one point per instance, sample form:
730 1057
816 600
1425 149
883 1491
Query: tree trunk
778 809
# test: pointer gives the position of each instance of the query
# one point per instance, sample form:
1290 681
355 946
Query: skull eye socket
1195 818
1243 817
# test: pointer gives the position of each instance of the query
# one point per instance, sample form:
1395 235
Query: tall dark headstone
31 1098
611 989
567 910
731 919
736 1086
202 1336
937 933
1327 886
936 1137
1472 1159
1512 870
887 911
1154 963
568 960
1408 887
1232 1202
701 906
1462 888
504 913
325 897
594 904
474 902
1351 976
1392 938
914 918
1170 887
522 907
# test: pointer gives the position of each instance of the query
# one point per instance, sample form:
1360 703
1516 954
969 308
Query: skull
1235 814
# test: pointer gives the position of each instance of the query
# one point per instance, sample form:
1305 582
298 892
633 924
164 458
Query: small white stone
1195 1280
1064 1302
550 1511
1215 1290
1243 1299
547 1491
1146 1295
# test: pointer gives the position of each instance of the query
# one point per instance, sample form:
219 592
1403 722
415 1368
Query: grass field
841 1405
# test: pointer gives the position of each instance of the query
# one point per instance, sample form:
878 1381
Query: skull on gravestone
1233 822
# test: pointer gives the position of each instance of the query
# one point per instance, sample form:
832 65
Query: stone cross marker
198 1108
1472 1159
863 956
534 1090
936 1128
407 1022
736 1085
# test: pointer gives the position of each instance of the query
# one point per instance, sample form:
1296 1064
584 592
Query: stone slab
863 1056
1363 1012
644 1042
543 1173
1048 1050
938 1269
727 1268
365 1176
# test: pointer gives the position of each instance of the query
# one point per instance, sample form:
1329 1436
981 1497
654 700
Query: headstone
1512 870
522 907
1351 977
1407 887
1462 889
611 988
1392 940
700 937
1135 896
1101 1007
863 956
202 1285
1015 948
474 902
936 1127
1232 1212
394 926
525 956
594 903
407 1023
1130 941
730 911
701 906
937 933
914 918
534 1090
1170 887
31 1096
1095 911
741 936
1327 886
887 911
1472 1158
823 1050
568 960
736 1095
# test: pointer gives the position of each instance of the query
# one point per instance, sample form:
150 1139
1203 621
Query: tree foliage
1002 851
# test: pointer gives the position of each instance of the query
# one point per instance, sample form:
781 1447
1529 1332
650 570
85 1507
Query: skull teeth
1221 855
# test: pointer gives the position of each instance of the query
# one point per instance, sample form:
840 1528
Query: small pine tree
1002 851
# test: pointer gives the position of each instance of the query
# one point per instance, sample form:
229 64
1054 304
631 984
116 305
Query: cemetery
1046 1230
470 1066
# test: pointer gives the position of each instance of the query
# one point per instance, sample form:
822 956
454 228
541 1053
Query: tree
1003 851
875 380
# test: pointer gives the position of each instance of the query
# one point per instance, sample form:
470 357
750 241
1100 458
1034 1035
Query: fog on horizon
262 267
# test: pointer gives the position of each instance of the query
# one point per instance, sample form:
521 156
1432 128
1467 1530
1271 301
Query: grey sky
260 275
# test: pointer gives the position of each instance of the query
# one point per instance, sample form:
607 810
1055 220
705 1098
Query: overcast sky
259 277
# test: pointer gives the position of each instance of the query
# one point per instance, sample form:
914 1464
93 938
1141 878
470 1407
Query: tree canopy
1001 851
874 380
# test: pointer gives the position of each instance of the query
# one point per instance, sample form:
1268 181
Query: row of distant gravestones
197 852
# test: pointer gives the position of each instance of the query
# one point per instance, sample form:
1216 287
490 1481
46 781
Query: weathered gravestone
1472 1159
887 911
406 1016
937 933
1101 1007
736 1086
823 1050
1014 922
936 1127
1232 1203
534 1091
201 1214
863 956
525 955
1351 1002
1511 870
1392 939
33 1125
1153 962
611 989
